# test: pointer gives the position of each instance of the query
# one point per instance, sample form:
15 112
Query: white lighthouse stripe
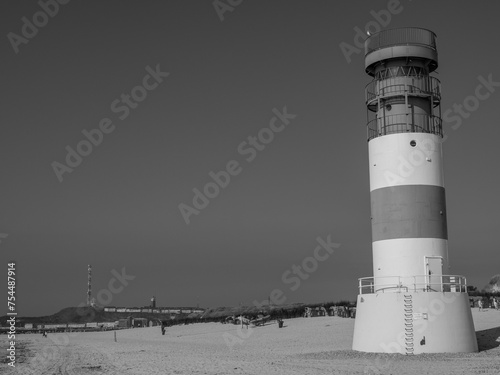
394 161
406 257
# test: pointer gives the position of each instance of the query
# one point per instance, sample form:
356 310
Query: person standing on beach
480 304
495 303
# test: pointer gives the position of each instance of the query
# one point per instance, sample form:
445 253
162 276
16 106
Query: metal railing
405 123
402 36
416 86
416 284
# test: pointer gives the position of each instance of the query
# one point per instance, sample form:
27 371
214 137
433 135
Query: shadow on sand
488 339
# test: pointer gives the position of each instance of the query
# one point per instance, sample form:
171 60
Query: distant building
139 322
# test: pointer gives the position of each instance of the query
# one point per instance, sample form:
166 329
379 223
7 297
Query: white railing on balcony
402 36
404 123
417 283
413 86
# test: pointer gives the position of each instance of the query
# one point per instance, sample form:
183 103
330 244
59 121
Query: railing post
406 108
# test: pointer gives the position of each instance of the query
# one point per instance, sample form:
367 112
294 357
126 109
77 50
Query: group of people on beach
496 304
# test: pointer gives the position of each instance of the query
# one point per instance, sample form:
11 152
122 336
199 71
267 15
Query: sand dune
304 346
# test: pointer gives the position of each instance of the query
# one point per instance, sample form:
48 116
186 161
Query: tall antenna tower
89 285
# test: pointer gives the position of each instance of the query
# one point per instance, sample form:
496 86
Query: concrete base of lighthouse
414 323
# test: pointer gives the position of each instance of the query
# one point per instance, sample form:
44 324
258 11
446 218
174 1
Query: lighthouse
411 304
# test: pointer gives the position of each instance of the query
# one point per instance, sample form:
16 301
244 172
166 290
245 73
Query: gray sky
120 206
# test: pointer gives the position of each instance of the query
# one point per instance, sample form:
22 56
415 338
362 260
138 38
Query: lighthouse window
413 143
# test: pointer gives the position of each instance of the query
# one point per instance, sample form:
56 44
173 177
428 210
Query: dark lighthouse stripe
408 211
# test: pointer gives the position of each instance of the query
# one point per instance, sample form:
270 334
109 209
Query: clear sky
119 206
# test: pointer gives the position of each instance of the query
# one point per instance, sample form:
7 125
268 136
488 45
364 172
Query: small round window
413 143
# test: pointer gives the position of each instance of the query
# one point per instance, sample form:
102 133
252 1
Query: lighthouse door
434 273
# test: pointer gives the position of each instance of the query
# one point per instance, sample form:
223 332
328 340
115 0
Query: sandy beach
319 345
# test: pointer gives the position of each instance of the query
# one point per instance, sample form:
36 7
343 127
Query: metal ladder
408 311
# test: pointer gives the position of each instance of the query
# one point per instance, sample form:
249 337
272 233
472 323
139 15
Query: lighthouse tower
410 305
